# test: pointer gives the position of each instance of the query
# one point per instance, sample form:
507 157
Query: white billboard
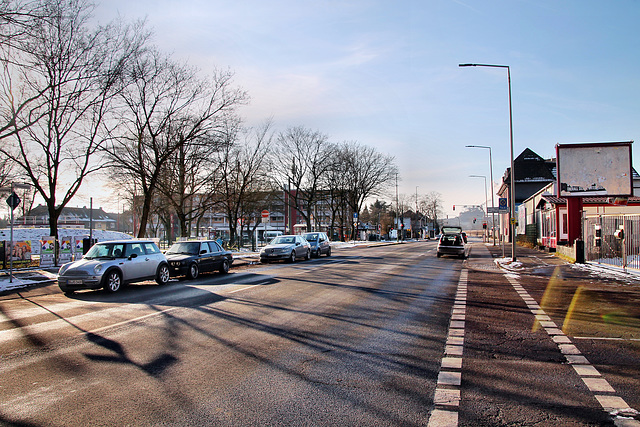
594 169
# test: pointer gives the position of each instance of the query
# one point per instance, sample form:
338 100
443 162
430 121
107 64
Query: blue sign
502 204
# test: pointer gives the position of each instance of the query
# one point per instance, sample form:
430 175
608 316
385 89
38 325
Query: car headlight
63 268
97 269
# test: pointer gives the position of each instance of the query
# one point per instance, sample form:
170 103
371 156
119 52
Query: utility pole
397 211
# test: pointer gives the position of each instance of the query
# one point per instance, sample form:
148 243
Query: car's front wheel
113 281
162 276
193 271
329 251
308 257
224 268
292 257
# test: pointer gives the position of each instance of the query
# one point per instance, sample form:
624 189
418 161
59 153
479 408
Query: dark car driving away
197 256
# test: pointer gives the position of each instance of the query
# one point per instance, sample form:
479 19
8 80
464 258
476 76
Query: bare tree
431 205
367 173
166 107
7 174
189 178
242 173
300 163
16 18
335 183
62 75
17 21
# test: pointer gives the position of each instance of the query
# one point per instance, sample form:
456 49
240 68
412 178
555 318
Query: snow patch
21 234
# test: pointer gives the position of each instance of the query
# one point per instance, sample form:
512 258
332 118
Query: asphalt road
387 335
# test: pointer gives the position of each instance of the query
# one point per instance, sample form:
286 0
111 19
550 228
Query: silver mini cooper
110 265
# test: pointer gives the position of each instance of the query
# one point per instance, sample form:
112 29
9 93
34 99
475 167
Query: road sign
13 200
493 210
265 214
502 205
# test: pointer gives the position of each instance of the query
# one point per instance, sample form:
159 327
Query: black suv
193 257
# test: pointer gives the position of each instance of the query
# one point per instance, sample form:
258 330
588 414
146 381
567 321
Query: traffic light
454 207
597 238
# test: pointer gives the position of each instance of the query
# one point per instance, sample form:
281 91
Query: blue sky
386 74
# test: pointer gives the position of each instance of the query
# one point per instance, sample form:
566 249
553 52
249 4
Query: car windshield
187 248
283 240
105 250
311 236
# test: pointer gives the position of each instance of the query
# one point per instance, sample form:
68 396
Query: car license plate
75 282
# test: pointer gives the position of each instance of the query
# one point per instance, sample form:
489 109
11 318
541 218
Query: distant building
71 218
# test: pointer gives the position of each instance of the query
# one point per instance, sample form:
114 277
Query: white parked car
111 265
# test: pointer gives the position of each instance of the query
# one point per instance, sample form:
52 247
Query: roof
555 200
532 173
530 166
73 213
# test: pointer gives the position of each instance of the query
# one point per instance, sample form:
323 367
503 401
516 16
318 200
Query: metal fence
623 253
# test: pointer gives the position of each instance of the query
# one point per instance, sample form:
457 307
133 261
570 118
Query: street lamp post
512 198
493 218
418 215
486 200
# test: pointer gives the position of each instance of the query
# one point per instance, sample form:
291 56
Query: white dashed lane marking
447 394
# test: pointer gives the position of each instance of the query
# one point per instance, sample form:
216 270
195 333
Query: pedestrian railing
607 246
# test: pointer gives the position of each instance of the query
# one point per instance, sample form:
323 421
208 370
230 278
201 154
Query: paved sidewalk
604 301
533 261
591 314
25 280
